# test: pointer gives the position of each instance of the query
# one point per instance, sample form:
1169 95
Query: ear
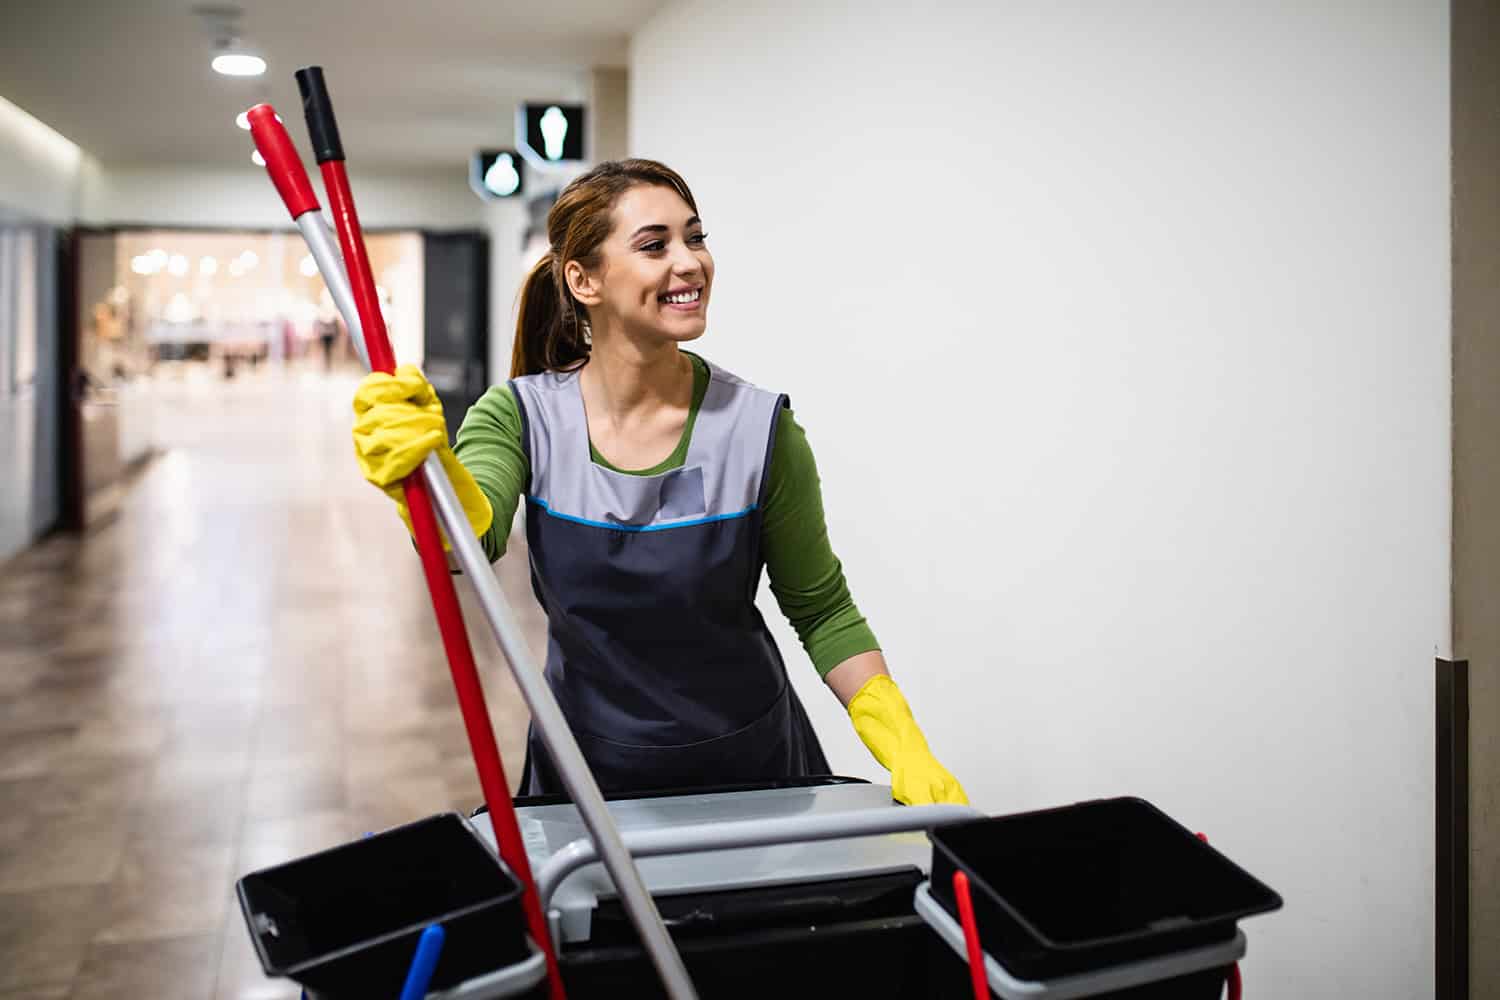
583 285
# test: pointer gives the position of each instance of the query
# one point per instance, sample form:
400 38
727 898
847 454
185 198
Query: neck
626 377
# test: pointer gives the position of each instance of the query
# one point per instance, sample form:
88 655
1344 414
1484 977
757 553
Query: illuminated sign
550 133
496 173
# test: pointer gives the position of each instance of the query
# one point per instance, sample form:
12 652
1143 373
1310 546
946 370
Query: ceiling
415 85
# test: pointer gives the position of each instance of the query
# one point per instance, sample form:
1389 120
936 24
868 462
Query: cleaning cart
819 885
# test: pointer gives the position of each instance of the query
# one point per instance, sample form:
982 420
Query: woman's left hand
884 722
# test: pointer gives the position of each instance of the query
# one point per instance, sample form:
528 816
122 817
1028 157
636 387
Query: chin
683 331
676 330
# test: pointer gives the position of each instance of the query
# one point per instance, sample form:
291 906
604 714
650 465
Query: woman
657 486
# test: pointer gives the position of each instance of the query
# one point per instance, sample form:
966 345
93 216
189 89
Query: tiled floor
239 668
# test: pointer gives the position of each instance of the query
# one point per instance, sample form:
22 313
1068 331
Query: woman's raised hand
398 422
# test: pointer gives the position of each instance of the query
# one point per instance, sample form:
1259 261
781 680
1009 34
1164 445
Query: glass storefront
163 311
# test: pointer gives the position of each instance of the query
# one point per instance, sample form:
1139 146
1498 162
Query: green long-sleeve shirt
807 579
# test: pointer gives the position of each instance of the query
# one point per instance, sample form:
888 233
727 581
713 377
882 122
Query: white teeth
684 297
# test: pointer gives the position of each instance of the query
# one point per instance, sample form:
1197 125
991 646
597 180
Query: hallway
240 668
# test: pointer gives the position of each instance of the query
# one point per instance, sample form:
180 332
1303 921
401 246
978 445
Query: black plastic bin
345 922
1091 885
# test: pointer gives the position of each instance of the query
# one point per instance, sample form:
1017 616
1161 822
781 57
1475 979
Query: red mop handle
292 183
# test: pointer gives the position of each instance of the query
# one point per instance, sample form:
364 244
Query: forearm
848 677
490 448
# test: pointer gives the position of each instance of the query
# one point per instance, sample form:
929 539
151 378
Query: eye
697 239
655 246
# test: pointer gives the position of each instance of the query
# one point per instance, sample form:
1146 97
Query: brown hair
549 322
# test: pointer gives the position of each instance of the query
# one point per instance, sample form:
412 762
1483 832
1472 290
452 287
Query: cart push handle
697 838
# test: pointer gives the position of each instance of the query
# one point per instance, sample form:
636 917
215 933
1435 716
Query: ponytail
549 334
551 329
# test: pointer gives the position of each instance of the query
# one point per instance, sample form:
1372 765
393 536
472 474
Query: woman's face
655 271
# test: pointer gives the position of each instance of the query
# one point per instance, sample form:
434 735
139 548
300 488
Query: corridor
239 668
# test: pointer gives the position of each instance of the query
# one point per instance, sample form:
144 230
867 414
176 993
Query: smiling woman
658 488
636 219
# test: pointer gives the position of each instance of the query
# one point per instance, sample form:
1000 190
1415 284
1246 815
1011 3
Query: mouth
683 299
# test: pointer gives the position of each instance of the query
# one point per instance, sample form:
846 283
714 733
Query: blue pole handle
424 963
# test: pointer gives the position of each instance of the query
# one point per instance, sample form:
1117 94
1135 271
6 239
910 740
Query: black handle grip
322 127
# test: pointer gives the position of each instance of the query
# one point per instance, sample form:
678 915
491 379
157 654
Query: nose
684 261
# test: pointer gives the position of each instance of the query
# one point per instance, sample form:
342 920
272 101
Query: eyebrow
659 228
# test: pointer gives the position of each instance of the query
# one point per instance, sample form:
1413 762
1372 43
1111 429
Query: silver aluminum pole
318 233
556 734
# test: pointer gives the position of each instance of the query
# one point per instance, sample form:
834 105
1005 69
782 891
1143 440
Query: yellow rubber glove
398 422
884 721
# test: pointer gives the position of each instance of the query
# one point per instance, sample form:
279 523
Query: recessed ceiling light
238 64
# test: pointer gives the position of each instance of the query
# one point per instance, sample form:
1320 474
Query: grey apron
656 653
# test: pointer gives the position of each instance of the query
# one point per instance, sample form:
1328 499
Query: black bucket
345 922
1092 885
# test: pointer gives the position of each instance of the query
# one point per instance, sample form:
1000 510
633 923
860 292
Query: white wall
506 222
41 176
1121 334
40 170
609 113
29 482
236 197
